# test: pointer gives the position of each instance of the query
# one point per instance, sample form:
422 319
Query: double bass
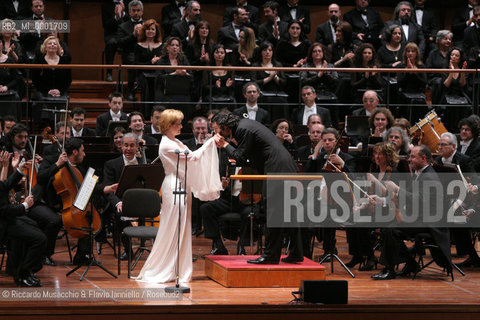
67 182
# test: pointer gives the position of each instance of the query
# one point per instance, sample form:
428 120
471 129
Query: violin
67 182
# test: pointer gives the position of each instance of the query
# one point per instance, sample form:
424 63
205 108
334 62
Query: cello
67 182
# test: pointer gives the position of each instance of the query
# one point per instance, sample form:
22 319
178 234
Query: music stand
82 200
113 124
146 176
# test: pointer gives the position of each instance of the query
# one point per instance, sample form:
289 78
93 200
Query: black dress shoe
369 265
410 267
471 262
264 260
34 277
292 259
219 252
48 261
36 282
355 260
384 275
241 250
26 282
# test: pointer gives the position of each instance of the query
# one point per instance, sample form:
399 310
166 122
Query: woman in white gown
203 180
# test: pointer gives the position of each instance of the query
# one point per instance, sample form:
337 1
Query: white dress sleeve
203 175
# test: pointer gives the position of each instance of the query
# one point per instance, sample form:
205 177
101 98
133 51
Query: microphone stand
178 191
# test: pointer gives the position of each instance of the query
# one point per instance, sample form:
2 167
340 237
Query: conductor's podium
235 272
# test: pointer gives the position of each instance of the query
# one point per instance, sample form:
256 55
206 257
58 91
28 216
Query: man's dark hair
16 129
61 124
10 118
471 124
226 119
134 113
425 151
248 84
78 110
73 144
158 108
272 5
332 131
115 94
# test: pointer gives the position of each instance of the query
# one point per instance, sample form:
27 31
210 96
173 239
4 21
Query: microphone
177 151
186 152
140 143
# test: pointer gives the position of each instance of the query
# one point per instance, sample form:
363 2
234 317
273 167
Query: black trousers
26 246
49 222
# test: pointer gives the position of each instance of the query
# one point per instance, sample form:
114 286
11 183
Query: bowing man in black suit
266 154
294 11
171 14
411 31
136 123
394 250
274 29
301 114
185 28
252 11
326 31
115 102
26 241
251 92
113 170
366 23
77 120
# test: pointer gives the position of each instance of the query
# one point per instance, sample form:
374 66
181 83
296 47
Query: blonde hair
168 118
43 47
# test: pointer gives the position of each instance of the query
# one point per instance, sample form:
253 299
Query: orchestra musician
398 137
113 170
315 135
136 124
77 121
63 132
469 144
115 102
328 152
26 242
394 250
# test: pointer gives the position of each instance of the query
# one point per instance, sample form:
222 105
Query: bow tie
137 22
237 26
37 18
252 108
294 7
364 12
181 4
419 8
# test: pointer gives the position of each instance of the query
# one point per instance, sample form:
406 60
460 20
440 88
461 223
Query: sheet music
86 190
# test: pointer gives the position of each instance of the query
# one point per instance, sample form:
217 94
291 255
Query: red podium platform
235 272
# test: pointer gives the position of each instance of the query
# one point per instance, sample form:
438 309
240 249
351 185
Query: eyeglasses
443 144
369 100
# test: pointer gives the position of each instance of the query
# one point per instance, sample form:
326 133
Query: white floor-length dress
203 179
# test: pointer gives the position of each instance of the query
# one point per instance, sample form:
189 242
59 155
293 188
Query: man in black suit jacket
363 31
253 15
448 154
394 249
115 102
370 102
251 110
304 153
294 11
113 14
154 127
171 14
7 9
127 39
61 135
185 28
326 31
274 29
29 40
77 120
425 17
228 35
112 172
403 18
26 241
471 37
469 144
462 19
300 115
265 153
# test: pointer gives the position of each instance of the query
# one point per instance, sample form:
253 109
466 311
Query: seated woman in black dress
10 82
365 57
218 84
293 51
272 83
437 59
341 55
412 86
198 52
147 52
50 84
